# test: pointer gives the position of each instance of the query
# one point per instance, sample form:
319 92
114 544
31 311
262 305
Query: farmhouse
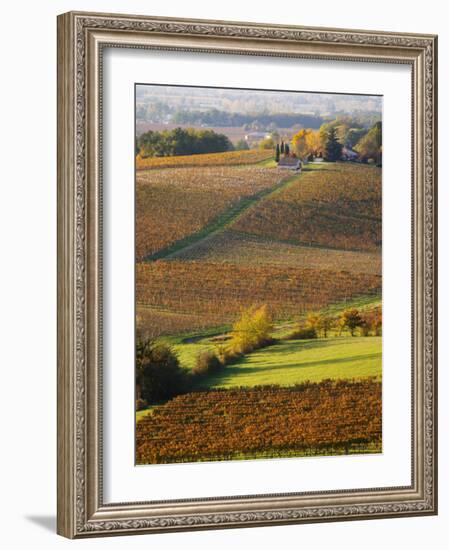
349 154
255 136
291 163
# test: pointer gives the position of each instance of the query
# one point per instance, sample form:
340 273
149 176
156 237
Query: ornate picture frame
82 38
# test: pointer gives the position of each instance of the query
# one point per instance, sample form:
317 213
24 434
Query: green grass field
294 361
188 346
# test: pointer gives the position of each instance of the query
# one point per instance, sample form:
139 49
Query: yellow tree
314 321
251 330
261 324
299 142
327 323
319 323
314 142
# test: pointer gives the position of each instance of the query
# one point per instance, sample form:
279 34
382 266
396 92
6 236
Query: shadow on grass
258 365
234 370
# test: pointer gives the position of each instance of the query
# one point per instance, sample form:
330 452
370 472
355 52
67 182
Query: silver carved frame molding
81 39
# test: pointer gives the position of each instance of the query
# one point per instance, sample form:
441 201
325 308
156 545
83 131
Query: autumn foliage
329 417
333 208
158 373
307 142
252 330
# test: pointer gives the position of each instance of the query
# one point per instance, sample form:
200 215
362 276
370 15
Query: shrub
269 341
313 321
365 327
241 145
377 321
303 333
206 363
267 143
141 404
327 323
158 374
351 319
227 356
371 322
241 347
252 330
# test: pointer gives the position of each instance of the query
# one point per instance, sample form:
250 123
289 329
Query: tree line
329 142
257 121
180 141
352 320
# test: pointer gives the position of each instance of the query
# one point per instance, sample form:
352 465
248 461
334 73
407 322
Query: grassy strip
143 413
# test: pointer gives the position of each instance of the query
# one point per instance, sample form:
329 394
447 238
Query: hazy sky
256 101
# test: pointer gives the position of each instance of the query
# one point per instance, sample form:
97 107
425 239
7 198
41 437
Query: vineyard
174 203
228 158
242 248
337 207
332 417
153 321
211 243
258 276
217 291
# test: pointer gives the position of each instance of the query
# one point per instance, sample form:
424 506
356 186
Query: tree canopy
181 141
332 146
158 373
370 145
251 330
307 142
268 121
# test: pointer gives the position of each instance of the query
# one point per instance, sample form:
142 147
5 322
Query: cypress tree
282 147
332 147
278 152
287 149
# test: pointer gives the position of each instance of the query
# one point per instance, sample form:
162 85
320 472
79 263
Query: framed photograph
246 274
